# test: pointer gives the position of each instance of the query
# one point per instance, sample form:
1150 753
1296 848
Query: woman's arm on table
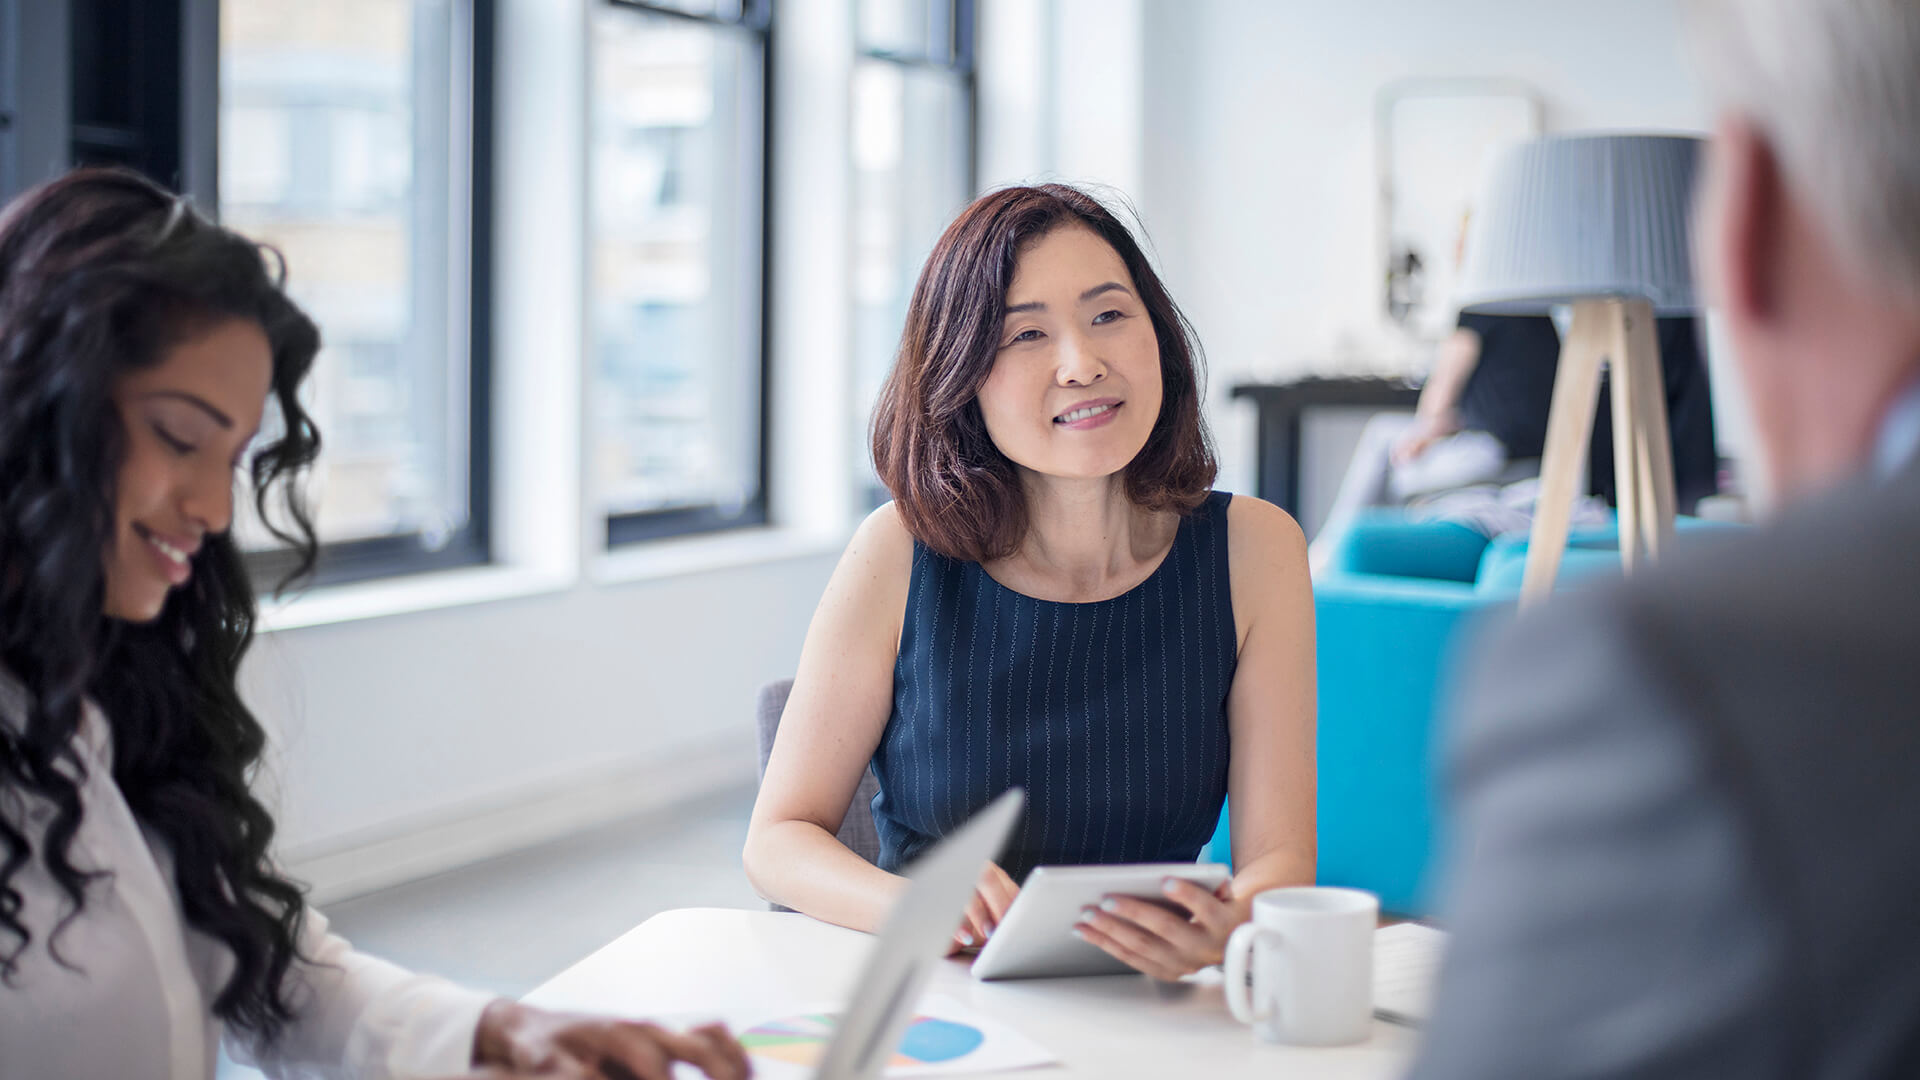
842 697
1270 778
361 1016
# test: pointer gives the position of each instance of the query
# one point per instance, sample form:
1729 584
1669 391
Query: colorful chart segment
802 1040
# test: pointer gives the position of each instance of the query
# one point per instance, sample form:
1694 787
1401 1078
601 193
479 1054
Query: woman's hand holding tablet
1042 934
1166 941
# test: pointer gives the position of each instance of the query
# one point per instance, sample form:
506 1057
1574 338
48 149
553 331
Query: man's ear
1748 229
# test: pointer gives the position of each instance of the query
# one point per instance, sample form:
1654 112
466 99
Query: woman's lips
1088 415
175 562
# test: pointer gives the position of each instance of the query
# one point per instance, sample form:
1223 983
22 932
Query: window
353 138
125 69
9 92
913 164
8 89
676 282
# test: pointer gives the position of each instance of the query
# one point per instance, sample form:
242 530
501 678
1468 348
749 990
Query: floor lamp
1597 223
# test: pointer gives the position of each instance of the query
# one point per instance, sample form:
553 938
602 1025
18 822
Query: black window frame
127 61
754 17
959 58
9 93
166 124
471 544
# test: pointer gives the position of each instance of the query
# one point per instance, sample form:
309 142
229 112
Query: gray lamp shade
1584 217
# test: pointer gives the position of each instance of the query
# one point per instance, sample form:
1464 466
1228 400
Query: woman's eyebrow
1104 287
205 406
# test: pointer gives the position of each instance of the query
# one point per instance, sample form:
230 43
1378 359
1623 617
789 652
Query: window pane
911 177
337 130
915 28
719 9
674 289
9 62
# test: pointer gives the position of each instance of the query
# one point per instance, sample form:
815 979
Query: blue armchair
1391 619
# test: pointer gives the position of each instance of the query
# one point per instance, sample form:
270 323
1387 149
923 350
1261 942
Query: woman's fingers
998 889
1101 931
991 898
648 1052
1151 922
631 1050
974 924
1211 911
1168 943
729 1057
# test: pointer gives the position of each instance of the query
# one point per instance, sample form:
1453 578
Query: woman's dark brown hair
954 489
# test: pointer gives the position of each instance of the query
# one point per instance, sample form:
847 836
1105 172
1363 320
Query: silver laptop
914 940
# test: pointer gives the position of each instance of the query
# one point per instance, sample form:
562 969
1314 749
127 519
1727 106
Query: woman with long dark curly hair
141 914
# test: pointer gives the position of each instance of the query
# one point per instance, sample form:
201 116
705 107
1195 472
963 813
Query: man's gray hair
1835 87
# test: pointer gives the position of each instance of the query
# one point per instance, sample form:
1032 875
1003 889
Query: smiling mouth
180 560
1084 413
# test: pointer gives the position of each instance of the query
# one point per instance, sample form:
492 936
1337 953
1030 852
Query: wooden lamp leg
1628 464
1576 390
1653 442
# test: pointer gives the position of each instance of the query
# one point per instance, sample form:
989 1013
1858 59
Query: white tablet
1036 938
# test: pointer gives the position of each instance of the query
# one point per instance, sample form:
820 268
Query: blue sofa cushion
1590 553
1504 565
1384 542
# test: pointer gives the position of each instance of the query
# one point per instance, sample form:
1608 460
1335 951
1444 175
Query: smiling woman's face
187 419
1075 387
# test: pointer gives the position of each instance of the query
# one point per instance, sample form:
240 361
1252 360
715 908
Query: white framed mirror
1434 140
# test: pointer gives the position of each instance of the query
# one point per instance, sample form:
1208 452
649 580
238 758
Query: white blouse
139 1004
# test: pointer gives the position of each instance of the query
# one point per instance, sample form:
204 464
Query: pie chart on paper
802 1040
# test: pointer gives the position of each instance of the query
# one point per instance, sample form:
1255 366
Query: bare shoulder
881 543
1267 564
1260 533
872 579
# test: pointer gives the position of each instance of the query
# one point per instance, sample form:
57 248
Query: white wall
407 744
1257 180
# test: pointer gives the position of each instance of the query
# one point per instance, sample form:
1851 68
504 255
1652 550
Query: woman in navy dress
1055 600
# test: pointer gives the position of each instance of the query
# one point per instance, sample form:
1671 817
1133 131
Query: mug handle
1239 956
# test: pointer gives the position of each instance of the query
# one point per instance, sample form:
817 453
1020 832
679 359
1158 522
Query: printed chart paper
945 1038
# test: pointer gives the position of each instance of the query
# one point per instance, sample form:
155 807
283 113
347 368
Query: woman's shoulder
877 566
882 537
1261 522
1264 543
864 605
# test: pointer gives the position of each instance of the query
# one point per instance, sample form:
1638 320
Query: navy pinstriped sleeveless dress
1111 714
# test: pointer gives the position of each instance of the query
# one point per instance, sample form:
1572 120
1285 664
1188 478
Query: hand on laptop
991 899
1164 943
533 1042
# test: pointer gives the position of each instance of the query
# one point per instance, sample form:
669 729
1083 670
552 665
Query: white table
713 960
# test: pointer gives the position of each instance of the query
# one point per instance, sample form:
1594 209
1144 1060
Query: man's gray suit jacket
1687 840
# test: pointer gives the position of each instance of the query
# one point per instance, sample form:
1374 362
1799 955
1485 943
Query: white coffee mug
1310 950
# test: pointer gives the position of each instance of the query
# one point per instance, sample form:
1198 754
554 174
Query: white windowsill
486 584
712 551
406 595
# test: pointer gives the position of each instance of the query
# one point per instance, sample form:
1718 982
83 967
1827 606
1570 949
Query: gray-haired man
1689 807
